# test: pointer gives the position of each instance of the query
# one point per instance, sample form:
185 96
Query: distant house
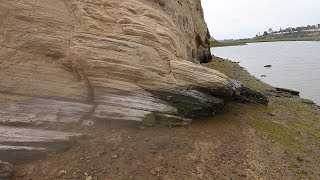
316 29
279 33
310 29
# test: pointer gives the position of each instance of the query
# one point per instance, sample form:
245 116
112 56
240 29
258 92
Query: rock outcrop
5 170
64 61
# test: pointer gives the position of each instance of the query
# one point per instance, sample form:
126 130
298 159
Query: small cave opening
203 53
198 41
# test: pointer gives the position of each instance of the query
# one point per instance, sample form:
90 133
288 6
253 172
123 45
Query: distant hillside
216 43
303 33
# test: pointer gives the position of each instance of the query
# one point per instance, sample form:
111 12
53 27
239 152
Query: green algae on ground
289 121
295 105
261 108
301 110
309 129
277 132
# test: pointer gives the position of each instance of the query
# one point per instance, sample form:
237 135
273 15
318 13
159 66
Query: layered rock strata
5 170
65 61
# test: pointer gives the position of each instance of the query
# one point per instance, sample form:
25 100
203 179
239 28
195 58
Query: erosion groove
64 62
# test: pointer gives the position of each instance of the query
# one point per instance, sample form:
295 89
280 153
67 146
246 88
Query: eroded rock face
5 170
102 58
68 60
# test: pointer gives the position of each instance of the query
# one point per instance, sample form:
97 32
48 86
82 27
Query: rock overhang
63 62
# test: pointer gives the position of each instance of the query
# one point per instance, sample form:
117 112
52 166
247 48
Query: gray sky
233 19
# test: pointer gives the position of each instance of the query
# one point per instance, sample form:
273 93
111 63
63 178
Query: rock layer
64 61
5 170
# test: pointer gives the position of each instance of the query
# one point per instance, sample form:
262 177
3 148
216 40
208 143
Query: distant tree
265 33
309 27
318 25
289 29
270 30
299 29
314 26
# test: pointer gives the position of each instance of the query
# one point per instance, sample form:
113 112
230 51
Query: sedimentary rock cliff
68 60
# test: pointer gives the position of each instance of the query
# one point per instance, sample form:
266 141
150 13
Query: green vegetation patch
261 108
301 110
227 43
309 129
280 133
300 107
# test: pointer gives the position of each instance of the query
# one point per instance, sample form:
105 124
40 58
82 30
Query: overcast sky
233 19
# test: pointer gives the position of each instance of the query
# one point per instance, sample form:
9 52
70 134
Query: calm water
295 65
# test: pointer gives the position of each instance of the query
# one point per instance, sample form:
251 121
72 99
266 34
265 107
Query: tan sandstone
65 61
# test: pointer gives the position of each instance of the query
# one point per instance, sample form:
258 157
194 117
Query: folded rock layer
64 61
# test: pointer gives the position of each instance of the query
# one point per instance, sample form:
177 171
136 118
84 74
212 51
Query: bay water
295 65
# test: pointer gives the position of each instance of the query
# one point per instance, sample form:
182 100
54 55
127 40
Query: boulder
69 60
290 91
66 61
249 96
